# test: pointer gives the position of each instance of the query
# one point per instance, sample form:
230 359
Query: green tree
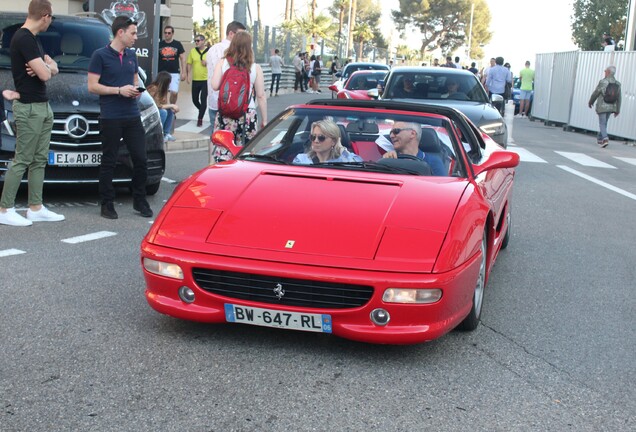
591 18
367 11
363 33
208 29
445 24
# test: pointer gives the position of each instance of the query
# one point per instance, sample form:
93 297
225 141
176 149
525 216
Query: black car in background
456 88
75 148
516 92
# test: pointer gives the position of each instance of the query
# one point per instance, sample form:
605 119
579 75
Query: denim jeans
275 78
212 114
167 117
602 125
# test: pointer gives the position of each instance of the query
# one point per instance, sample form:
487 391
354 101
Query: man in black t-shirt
172 60
30 68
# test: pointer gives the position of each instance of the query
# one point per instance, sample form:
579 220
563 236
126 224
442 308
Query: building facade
177 13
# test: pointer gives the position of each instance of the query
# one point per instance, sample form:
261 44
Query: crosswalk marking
526 156
631 161
585 160
10 252
598 182
88 237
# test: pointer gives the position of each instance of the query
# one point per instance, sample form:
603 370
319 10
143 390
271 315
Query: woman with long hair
244 128
158 89
326 145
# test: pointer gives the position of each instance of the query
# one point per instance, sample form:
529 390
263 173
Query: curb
187 141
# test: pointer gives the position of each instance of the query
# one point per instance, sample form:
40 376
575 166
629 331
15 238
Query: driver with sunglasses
405 138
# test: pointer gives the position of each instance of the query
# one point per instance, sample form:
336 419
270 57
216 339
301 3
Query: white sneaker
14 219
168 137
44 215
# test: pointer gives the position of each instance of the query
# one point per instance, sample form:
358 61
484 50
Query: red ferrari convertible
358 85
310 228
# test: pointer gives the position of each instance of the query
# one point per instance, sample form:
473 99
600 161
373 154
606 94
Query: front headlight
8 126
496 128
150 117
170 270
411 295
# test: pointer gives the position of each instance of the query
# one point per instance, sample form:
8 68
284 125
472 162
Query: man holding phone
112 74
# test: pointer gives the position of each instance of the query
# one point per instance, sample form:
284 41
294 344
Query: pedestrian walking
299 68
496 80
276 63
172 60
245 127
526 75
197 75
607 96
112 74
216 54
31 69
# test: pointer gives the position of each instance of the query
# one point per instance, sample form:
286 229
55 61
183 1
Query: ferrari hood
336 216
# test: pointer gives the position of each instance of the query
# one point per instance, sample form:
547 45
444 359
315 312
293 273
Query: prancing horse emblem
279 291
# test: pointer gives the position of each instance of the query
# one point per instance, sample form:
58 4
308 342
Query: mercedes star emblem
77 126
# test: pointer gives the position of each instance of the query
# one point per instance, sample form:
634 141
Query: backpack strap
201 54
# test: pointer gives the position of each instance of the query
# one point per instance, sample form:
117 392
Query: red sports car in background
367 248
358 84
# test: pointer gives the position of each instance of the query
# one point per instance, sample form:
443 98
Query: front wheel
471 322
506 239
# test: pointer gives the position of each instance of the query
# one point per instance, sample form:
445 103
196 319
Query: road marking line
598 182
631 161
88 237
585 160
525 155
167 180
10 252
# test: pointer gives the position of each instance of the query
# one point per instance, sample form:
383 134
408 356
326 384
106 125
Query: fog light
411 295
163 269
380 317
186 294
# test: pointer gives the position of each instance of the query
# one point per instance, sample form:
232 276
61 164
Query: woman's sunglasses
320 138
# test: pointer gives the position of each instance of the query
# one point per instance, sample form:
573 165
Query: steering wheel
408 156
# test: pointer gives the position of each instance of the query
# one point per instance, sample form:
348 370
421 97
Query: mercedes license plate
280 319
74 158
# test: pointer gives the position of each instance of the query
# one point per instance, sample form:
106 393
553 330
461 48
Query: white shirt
216 53
276 62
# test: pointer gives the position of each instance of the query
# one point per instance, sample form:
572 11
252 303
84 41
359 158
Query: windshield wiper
369 166
261 157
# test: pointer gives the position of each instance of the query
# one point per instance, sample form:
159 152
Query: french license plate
74 158
320 323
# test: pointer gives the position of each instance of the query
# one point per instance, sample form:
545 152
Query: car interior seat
344 138
71 46
430 144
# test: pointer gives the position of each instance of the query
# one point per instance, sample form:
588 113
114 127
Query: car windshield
435 86
364 80
347 139
69 43
349 69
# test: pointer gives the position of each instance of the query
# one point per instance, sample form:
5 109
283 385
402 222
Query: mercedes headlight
495 128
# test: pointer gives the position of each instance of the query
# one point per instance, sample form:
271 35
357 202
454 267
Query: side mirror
333 88
495 98
225 139
497 159
373 93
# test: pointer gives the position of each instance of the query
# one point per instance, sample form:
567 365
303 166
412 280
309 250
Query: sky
521 28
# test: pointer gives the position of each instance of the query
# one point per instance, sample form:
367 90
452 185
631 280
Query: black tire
506 239
152 189
471 322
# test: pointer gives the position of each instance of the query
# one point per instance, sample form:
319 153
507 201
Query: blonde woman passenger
326 146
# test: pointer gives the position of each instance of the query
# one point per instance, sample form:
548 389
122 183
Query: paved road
81 350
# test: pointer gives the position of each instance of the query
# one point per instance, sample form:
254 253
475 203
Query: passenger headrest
344 138
429 143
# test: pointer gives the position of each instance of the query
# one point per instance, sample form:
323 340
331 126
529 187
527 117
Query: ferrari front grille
282 291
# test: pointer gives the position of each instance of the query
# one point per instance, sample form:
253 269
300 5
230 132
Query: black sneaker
143 208
108 211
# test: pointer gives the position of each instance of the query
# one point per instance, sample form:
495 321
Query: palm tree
287 17
221 19
352 20
363 33
258 10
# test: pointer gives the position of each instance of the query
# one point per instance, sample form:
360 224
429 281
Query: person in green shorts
527 84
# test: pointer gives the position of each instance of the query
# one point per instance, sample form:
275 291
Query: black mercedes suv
75 150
